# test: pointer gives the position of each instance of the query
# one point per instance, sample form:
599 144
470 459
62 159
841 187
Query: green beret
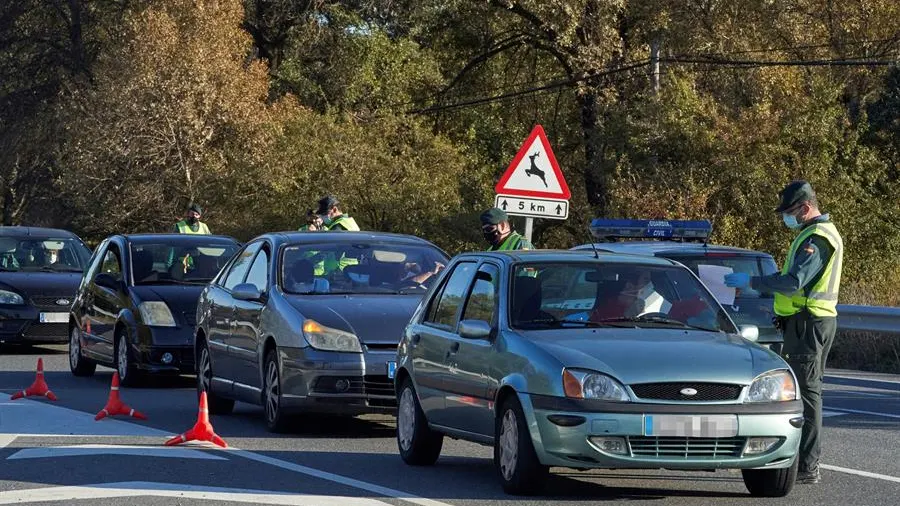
493 216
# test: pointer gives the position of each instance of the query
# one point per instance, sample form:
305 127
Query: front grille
672 391
686 447
47 331
48 303
381 346
378 385
328 385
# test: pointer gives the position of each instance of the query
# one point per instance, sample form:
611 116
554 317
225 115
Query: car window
240 266
193 261
482 301
35 253
259 271
111 263
750 264
451 298
563 294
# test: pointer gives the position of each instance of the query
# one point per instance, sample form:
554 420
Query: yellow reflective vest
822 297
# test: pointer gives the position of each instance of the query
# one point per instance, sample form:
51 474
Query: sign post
533 186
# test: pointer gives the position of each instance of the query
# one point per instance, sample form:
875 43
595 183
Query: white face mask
790 220
646 292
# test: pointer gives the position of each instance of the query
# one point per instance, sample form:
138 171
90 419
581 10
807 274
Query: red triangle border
537 131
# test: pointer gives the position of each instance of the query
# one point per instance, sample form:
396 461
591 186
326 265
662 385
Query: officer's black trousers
807 341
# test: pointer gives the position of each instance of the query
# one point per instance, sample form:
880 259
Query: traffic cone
202 430
39 388
115 406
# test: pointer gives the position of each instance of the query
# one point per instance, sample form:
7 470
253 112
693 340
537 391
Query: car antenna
593 246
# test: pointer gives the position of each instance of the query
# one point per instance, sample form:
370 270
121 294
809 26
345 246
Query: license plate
392 369
54 317
690 425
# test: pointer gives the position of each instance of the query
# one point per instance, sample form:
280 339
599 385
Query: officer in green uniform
332 216
499 233
313 222
191 224
806 296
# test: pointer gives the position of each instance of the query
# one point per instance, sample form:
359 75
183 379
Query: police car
686 242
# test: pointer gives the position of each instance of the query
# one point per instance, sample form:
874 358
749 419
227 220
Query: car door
469 385
221 312
106 300
81 309
434 338
245 332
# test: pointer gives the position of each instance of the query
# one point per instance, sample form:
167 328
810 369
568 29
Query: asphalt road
54 452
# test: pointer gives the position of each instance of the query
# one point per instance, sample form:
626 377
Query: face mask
643 293
492 237
192 220
326 220
790 220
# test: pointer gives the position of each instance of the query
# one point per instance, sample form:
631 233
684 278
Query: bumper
572 446
173 341
335 382
23 325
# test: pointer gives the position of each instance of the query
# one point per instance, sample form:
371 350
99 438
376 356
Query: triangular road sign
534 171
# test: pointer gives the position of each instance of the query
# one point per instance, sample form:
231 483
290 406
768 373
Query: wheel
771 482
419 445
276 418
520 471
79 365
217 405
128 373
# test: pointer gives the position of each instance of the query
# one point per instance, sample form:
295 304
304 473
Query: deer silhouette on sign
535 170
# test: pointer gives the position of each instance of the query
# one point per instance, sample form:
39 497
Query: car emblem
688 391
62 302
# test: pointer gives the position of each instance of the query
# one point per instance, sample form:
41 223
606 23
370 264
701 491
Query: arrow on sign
558 209
503 205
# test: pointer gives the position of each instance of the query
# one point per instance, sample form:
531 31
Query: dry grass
866 351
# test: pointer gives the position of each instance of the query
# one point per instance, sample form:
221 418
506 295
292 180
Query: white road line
861 473
177 491
6 439
826 413
46 452
336 478
32 417
861 412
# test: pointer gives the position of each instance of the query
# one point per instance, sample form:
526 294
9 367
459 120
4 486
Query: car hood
658 355
49 284
181 299
374 318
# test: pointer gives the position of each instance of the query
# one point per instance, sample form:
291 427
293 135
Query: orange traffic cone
39 388
202 430
115 406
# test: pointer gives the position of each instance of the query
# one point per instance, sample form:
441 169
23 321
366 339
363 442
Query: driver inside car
637 296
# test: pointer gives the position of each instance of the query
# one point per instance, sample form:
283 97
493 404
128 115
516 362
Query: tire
418 444
273 409
78 364
217 405
771 482
129 375
518 467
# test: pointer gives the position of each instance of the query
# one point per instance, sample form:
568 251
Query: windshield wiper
48 268
658 320
557 323
166 282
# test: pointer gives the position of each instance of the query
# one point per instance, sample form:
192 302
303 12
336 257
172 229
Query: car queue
595 358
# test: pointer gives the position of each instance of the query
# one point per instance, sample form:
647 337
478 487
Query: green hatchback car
504 351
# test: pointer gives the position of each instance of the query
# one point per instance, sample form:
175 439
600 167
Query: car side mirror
749 332
107 281
246 291
474 329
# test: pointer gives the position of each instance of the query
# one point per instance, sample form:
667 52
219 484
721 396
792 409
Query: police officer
313 222
498 232
806 295
191 224
332 216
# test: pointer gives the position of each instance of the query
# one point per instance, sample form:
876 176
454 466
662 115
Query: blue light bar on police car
659 229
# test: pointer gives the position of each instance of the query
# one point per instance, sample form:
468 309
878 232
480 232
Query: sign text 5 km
533 207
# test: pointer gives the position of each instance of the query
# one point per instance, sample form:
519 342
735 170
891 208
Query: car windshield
577 295
181 263
51 254
363 267
751 264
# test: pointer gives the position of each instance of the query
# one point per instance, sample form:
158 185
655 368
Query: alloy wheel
74 348
406 419
272 391
205 376
122 358
509 445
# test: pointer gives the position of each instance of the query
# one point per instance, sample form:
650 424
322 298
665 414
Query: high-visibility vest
343 222
821 298
184 228
512 242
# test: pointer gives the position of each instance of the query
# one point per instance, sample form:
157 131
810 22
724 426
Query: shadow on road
32 349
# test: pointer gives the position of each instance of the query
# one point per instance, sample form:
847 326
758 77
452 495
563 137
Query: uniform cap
196 208
326 203
794 193
493 216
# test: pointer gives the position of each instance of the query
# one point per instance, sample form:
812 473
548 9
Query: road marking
46 452
32 417
178 491
336 478
861 412
861 473
6 439
826 413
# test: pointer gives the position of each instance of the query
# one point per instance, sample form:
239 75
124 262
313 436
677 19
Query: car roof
667 247
344 237
18 231
175 238
545 255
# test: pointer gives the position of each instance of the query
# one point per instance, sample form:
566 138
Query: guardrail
883 320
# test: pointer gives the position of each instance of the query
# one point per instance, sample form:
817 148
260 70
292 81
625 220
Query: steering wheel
408 284
653 314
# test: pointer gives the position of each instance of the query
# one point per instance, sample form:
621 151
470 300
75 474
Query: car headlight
593 385
325 338
773 386
156 314
7 297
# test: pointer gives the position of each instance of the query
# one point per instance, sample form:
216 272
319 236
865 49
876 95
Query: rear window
752 265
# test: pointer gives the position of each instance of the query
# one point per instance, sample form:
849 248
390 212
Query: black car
135 309
40 269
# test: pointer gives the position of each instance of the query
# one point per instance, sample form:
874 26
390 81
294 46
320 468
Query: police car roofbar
685 230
